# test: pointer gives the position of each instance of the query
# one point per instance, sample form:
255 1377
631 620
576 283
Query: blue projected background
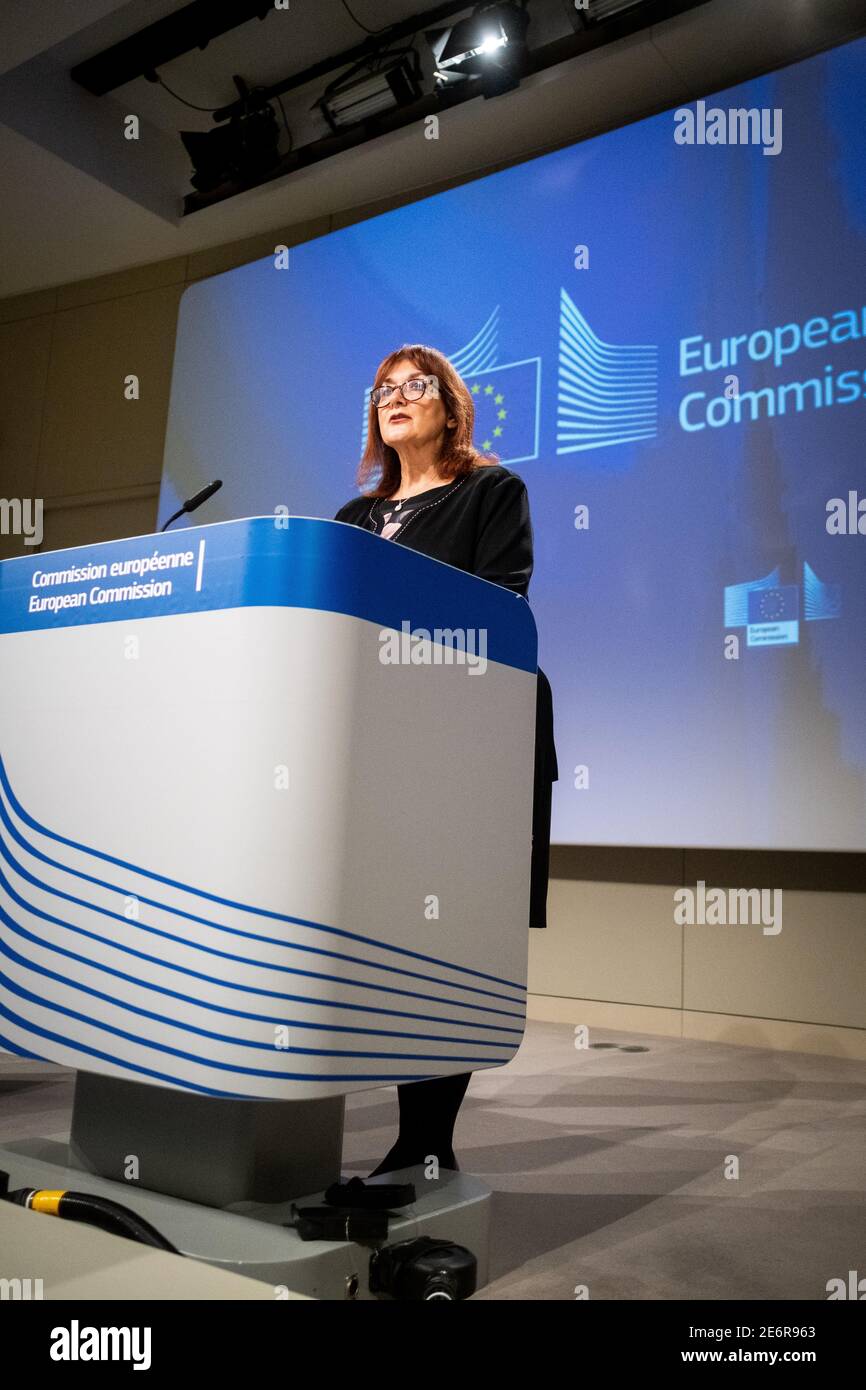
698 388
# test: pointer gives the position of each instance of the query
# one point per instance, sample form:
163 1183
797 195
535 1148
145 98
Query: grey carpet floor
608 1165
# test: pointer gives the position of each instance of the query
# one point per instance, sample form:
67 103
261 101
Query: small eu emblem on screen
774 616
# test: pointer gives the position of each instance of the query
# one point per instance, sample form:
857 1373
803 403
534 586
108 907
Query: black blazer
481 523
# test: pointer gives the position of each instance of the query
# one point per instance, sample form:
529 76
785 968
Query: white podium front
266 801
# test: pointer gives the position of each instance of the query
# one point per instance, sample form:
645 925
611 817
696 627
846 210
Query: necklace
388 506
399 503
447 490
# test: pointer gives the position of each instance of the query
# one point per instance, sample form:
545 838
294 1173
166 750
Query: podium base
210 1150
249 1238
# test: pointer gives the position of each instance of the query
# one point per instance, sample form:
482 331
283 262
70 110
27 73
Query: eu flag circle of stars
495 398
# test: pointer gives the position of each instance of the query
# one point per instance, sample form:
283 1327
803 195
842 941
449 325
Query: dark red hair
381 463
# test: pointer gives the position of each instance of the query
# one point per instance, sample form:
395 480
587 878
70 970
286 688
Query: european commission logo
608 393
506 395
773 616
770 610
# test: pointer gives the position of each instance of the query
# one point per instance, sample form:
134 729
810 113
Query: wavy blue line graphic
216 980
205 1060
607 393
104 1014
41 829
137 924
481 352
166 1077
820 600
272 1020
10 1045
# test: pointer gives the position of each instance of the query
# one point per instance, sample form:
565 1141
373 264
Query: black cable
114 1218
279 100
90 1208
363 26
211 109
183 99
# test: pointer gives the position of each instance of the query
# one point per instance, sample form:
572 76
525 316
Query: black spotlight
489 46
243 149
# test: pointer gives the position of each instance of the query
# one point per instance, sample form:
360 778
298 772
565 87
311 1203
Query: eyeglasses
413 390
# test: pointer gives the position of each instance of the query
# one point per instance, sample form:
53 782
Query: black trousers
428 1110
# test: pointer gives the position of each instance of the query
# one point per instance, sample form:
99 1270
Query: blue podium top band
265 562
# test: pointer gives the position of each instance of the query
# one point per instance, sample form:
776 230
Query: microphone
196 501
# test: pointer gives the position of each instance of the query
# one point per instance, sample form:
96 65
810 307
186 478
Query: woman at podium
429 488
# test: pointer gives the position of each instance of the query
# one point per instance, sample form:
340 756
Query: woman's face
415 423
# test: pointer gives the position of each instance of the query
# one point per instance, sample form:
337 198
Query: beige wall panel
24 355
122 283
812 971
12 544
608 941
103 521
595 1014
27 306
777 1036
603 1019
94 438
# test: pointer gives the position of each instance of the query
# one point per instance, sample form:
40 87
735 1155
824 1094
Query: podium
266 804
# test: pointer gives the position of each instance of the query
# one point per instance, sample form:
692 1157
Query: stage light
492 41
244 149
488 46
352 99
